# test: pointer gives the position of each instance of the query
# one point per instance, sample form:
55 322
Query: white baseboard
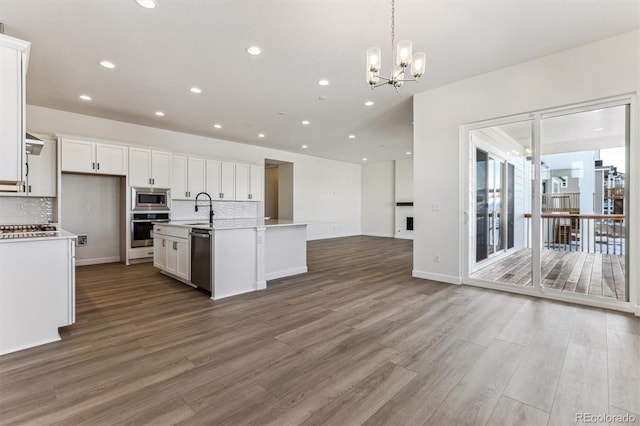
404 237
97 261
450 279
377 234
285 273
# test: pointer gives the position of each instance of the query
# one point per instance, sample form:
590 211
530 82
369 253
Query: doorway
278 189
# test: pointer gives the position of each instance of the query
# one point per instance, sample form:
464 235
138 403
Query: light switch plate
435 206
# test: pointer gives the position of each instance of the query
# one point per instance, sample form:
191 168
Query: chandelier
403 58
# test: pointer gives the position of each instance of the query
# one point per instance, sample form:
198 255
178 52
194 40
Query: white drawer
177 231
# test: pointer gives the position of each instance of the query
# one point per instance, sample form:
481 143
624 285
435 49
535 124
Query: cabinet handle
93 166
250 196
163 243
24 188
27 164
29 188
149 252
175 245
153 181
221 195
98 166
149 181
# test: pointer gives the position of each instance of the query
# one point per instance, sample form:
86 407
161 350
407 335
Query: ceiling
161 53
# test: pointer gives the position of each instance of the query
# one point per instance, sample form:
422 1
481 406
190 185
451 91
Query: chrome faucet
210 206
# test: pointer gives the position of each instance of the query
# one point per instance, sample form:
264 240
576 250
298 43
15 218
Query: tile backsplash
26 210
184 210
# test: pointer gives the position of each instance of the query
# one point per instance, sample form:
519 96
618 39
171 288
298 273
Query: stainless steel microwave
150 199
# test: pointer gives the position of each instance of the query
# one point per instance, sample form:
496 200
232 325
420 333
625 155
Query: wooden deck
595 274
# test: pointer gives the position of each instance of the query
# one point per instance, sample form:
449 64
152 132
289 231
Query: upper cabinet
249 182
93 157
187 177
14 56
221 179
149 168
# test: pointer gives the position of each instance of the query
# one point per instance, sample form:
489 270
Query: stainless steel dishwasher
201 258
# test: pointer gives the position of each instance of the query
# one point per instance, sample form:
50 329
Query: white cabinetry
249 182
221 179
149 168
172 251
187 177
14 55
41 172
93 157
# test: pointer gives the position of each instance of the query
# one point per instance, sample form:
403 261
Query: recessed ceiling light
408 152
598 129
254 50
304 147
280 113
323 82
217 126
305 122
108 64
196 90
322 98
159 113
352 136
85 97
261 135
147 4
364 159
368 103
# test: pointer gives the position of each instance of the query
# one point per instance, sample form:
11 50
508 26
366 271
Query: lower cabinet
172 251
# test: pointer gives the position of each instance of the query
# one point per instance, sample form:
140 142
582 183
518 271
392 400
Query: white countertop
52 235
221 224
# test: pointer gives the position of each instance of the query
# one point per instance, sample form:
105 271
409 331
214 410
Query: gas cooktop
27 231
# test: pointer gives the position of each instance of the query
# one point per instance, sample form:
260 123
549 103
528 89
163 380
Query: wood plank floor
355 341
595 274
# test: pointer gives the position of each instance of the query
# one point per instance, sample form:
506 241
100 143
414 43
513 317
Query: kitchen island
37 289
243 254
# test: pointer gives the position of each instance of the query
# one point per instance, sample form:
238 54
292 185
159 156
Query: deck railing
590 233
568 202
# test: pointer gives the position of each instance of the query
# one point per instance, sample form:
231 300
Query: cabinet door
242 181
78 156
159 251
111 159
161 169
183 261
41 177
171 246
139 167
196 176
179 177
11 110
213 186
257 183
228 180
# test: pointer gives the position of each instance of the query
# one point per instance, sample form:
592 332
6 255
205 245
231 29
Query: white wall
326 192
598 70
285 191
378 199
92 206
404 193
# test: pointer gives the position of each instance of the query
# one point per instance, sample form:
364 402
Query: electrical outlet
82 240
436 258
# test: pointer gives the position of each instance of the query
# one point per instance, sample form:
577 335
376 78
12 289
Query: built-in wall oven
150 200
142 227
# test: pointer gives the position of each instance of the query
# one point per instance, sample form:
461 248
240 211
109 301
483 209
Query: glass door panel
584 206
502 188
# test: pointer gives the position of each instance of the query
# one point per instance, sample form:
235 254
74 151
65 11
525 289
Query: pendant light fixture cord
393 27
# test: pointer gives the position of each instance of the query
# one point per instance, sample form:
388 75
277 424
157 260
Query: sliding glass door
549 198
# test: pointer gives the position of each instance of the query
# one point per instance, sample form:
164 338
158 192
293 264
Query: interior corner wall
271 192
404 193
378 199
285 191
326 193
598 70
